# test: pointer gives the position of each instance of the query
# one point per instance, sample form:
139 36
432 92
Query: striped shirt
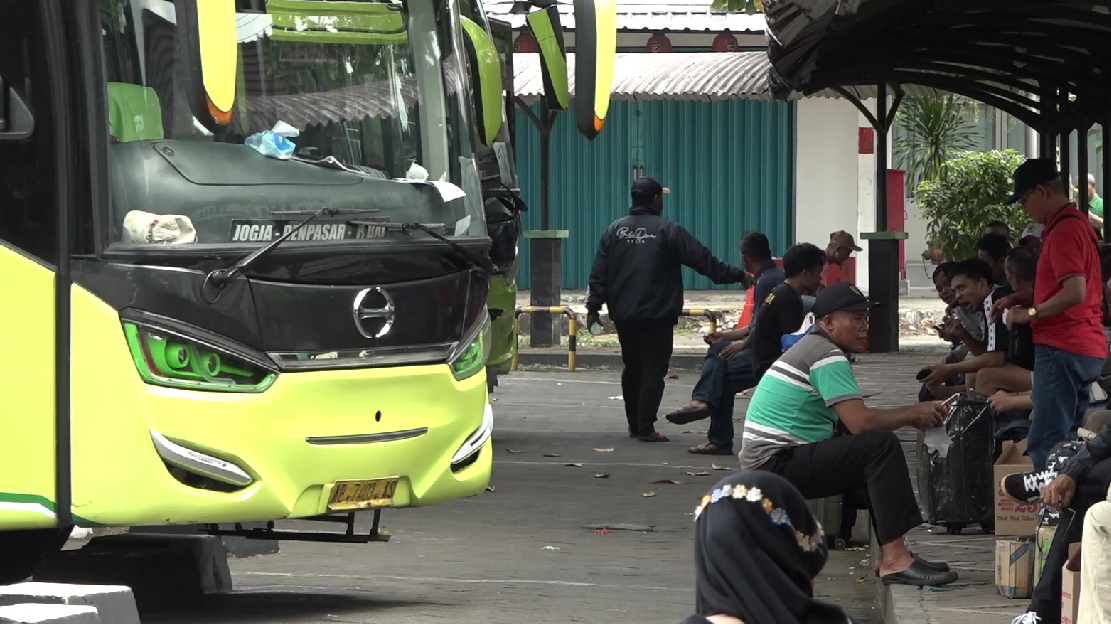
793 403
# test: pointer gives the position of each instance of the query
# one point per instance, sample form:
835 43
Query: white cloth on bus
146 227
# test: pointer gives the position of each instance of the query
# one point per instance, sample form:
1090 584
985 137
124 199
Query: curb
686 360
56 602
902 605
602 360
29 613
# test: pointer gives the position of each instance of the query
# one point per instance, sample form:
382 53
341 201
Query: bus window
28 219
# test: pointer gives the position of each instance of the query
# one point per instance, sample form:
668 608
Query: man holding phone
789 431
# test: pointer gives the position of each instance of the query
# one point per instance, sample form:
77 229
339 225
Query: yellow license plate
348 495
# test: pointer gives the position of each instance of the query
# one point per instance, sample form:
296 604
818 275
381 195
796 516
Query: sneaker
1027 618
1026 487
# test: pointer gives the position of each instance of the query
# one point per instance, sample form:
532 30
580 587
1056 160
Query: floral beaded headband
778 516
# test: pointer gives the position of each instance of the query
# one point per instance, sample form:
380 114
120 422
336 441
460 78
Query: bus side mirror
207 33
548 32
595 54
485 65
16 121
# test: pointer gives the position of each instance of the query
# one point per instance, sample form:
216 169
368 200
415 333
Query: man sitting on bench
789 431
734 365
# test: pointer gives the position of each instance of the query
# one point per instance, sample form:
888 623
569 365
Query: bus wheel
22 551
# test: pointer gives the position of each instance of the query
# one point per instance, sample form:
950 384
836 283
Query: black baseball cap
1032 174
840 297
648 188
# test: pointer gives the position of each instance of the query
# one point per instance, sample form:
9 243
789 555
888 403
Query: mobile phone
922 374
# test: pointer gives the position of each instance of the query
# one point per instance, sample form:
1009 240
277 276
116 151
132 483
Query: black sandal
919 575
684 416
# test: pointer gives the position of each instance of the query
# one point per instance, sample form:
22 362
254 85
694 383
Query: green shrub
969 195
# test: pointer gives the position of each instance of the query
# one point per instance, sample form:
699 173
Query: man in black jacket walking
638 275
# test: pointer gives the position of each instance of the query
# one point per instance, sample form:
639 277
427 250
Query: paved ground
972 599
527 551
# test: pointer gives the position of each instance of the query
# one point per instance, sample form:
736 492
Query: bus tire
22 551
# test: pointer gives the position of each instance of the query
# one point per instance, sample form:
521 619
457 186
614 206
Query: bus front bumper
313 443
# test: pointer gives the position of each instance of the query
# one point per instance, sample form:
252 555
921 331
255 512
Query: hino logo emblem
363 313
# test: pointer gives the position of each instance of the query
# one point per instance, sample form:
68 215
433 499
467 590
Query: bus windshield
346 106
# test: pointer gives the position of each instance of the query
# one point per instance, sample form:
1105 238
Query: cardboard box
1013 519
1014 567
1042 542
1070 586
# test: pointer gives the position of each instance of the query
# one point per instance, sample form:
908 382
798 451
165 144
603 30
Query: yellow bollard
516 338
572 336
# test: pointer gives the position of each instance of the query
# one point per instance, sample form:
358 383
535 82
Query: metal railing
572 329
713 315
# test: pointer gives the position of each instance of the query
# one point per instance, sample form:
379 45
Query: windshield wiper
476 261
223 277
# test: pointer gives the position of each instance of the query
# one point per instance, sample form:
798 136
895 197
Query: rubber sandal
918 575
709 448
687 416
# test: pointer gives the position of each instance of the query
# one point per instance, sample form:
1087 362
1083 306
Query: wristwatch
1032 312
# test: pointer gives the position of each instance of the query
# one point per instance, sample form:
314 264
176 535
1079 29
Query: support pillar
884 246
1065 139
546 283
1106 128
1082 169
883 290
1065 143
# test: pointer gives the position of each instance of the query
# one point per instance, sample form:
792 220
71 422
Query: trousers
646 348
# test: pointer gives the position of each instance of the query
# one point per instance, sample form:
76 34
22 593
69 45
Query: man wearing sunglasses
1065 314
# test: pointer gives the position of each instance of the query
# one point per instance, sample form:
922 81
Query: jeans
1061 395
721 379
1090 489
646 353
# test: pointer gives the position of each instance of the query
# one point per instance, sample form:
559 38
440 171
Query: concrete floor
528 551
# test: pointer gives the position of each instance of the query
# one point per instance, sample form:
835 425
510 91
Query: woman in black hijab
757 550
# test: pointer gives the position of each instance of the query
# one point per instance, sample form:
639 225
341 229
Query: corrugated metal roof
301 110
649 15
704 76
378 99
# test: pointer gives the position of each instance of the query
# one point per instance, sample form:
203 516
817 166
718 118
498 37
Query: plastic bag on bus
274 143
146 227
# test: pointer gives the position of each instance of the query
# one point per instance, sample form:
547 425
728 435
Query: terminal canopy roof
1047 62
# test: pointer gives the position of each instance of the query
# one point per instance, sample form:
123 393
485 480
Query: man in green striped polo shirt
789 431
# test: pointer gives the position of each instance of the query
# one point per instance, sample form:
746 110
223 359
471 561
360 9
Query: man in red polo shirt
1070 346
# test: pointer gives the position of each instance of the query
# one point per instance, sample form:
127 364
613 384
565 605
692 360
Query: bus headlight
473 444
470 355
175 360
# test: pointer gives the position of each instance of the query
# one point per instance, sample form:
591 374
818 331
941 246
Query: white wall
826 169
835 184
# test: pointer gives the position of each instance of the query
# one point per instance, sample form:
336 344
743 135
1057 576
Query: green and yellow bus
246 261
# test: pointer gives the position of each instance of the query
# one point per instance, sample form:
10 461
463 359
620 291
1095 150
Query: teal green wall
730 167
